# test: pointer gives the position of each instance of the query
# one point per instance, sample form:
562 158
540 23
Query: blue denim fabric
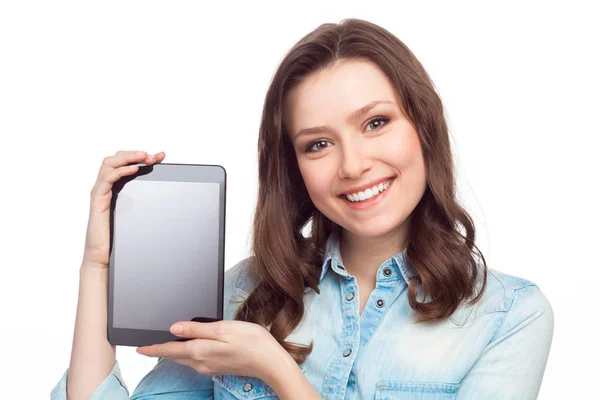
495 349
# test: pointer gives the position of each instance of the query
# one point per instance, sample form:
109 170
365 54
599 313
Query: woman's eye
379 120
311 145
376 122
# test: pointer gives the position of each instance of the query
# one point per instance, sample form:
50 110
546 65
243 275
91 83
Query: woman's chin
372 229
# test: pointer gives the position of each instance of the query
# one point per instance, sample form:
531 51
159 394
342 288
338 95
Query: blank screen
166 243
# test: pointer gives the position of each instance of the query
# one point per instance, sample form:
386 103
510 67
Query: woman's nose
354 161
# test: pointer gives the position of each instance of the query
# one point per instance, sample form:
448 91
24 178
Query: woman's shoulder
508 294
241 275
239 281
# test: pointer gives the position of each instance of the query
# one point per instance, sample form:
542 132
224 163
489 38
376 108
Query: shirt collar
333 259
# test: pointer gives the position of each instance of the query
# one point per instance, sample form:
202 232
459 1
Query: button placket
338 372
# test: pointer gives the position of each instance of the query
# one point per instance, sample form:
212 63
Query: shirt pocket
233 387
396 390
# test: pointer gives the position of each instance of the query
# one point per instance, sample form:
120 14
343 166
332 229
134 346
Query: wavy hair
285 261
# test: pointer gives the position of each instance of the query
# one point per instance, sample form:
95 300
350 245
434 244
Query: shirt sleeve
167 380
112 387
513 363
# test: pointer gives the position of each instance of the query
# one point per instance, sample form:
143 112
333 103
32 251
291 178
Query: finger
197 349
167 350
122 158
115 167
199 330
126 156
109 164
118 173
105 183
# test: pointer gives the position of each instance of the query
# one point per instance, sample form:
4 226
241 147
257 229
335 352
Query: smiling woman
365 281
359 157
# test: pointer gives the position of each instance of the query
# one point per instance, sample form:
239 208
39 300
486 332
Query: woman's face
353 151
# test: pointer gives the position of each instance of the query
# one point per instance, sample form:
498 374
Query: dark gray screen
166 253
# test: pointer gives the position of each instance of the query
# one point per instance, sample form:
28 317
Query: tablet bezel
169 172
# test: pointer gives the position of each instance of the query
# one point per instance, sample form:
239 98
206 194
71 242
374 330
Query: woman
365 281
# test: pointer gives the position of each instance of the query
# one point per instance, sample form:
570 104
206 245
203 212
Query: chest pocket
396 390
233 387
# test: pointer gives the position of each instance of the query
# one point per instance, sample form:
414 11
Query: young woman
365 281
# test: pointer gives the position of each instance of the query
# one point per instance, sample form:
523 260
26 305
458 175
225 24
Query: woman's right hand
97 241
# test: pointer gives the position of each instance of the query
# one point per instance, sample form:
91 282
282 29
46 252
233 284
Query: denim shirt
494 349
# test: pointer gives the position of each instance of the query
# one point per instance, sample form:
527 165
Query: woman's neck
362 256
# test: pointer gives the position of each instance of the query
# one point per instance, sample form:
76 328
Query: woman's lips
362 189
360 205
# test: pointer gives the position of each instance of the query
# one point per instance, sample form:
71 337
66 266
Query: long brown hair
285 261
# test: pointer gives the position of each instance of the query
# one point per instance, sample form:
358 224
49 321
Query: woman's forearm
92 355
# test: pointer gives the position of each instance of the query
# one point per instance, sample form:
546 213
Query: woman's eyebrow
353 116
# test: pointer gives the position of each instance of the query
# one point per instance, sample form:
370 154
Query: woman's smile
376 199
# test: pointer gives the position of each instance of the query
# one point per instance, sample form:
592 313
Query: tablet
167 241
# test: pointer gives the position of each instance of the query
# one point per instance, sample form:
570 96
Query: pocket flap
397 390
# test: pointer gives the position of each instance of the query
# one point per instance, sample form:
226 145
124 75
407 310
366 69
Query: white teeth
368 193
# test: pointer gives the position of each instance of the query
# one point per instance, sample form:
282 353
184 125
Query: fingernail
177 328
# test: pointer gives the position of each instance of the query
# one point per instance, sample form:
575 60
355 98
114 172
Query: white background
82 80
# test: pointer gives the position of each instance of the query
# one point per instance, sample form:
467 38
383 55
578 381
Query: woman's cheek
319 175
401 148
309 174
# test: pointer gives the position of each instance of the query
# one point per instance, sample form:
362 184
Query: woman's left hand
226 347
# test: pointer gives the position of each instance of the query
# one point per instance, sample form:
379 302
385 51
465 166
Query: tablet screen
166 253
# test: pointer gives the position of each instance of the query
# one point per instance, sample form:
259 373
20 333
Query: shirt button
387 272
350 296
380 303
347 352
247 387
